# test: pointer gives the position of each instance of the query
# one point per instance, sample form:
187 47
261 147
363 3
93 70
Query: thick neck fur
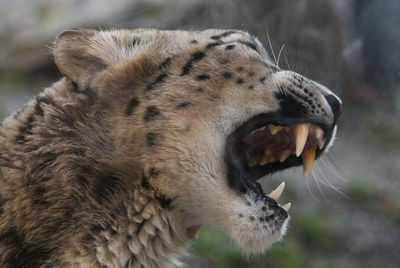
79 191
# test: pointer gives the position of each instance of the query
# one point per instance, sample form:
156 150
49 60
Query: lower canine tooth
321 144
287 206
308 157
275 194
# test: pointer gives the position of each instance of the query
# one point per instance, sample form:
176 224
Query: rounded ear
77 57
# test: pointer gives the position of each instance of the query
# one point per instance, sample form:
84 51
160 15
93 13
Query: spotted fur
121 161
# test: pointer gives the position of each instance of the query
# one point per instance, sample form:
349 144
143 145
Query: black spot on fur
165 202
151 112
105 187
23 254
251 218
239 81
227 75
133 103
25 130
36 174
262 79
249 44
230 47
193 42
90 93
87 239
135 41
82 181
197 56
145 182
202 77
165 63
152 138
251 87
183 105
240 69
38 196
75 87
159 79
1 206
224 61
43 99
153 172
211 45
224 34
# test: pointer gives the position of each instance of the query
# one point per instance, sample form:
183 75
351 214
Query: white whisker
333 171
311 192
324 180
279 54
270 45
317 183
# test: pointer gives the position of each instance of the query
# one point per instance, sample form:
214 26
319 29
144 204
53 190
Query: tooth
321 144
287 206
308 157
275 194
274 129
300 133
319 133
267 159
284 155
258 129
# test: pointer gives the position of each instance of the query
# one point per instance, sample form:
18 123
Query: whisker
317 183
330 158
287 62
311 192
333 171
279 54
270 45
324 180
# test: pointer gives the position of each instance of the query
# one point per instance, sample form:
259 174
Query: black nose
336 105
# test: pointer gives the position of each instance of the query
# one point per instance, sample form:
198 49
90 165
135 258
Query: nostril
336 105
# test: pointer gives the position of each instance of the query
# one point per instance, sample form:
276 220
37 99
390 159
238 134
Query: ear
77 56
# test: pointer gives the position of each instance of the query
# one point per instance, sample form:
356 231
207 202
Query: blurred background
347 214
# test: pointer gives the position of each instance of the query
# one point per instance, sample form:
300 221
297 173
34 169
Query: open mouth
263 145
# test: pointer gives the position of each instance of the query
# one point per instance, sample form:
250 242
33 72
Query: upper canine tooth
308 157
300 133
287 206
274 129
275 194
